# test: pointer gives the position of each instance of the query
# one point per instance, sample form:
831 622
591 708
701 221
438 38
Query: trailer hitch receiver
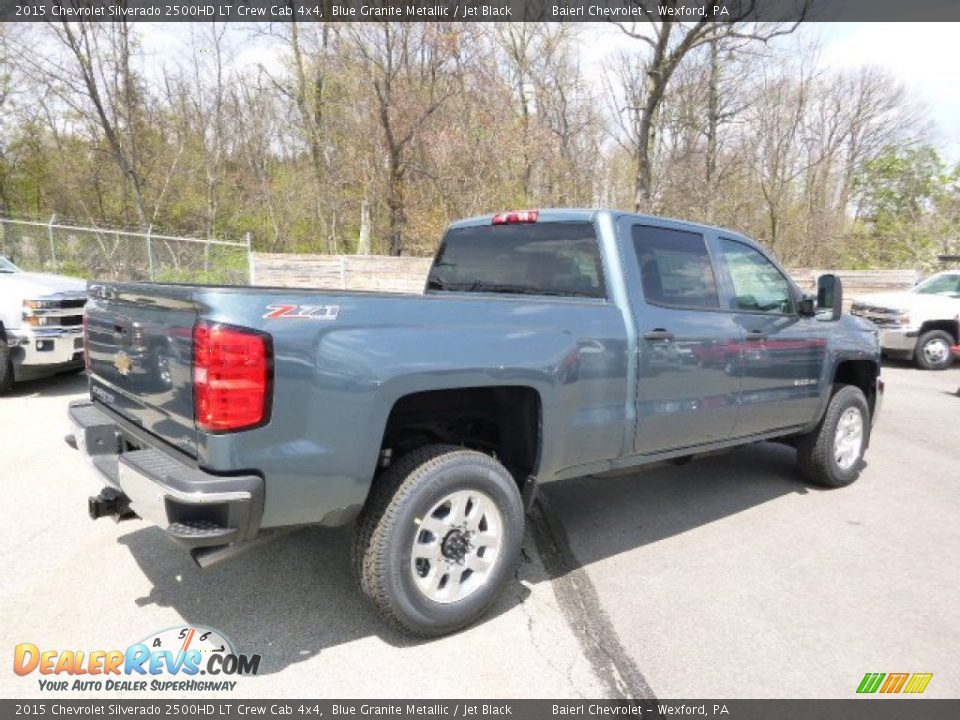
109 503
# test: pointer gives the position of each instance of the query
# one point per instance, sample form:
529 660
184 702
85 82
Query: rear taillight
516 216
231 377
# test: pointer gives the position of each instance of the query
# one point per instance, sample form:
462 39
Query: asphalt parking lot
727 577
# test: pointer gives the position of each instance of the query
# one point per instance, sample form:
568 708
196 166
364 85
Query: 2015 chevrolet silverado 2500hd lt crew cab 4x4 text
547 345
40 324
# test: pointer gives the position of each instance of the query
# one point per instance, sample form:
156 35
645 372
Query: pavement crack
547 656
582 610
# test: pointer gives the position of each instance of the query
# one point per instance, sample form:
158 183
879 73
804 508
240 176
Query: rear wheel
439 538
831 455
934 350
6 366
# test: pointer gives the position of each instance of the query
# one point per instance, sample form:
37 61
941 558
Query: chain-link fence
105 254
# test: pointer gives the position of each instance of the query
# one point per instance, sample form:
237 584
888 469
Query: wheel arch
951 327
504 421
861 373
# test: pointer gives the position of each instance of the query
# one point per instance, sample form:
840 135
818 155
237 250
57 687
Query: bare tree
110 93
408 66
208 99
307 88
6 83
669 43
371 137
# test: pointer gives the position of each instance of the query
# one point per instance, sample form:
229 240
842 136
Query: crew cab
921 324
546 345
40 324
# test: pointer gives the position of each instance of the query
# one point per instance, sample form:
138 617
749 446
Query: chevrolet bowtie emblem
123 363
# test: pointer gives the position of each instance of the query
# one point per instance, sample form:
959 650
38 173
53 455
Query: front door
688 348
783 353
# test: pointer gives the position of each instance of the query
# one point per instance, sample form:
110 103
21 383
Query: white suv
922 323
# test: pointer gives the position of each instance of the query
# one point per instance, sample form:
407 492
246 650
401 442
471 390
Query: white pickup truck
922 324
41 324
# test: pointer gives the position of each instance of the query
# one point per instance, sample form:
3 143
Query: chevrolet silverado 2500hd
40 324
547 345
922 324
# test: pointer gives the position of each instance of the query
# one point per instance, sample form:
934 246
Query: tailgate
139 340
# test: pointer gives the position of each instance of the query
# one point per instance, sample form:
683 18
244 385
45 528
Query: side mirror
829 297
807 306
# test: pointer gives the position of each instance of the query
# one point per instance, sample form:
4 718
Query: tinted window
757 284
675 267
527 258
943 285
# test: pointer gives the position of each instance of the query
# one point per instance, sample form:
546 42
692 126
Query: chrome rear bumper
194 507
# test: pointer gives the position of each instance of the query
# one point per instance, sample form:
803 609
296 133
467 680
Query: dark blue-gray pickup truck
547 344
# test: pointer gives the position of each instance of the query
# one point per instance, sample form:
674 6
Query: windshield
559 258
940 285
6 266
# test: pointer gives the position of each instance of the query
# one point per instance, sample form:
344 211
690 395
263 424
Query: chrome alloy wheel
936 351
456 546
848 440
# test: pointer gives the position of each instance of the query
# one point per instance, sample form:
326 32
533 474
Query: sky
925 57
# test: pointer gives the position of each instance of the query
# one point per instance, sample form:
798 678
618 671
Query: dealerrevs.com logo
170 660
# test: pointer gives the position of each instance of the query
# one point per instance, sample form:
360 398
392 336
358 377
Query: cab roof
590 215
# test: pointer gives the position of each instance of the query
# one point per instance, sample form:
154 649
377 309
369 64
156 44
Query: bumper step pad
201 530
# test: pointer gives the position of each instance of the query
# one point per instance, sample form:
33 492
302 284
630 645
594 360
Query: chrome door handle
658 334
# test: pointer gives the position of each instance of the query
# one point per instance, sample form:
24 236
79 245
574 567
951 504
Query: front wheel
438 539
934 350
831 455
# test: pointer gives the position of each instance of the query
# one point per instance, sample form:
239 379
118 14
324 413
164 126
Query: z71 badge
302 312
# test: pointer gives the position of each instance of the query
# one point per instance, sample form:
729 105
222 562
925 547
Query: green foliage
907 209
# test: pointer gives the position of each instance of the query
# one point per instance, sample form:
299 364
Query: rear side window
675 268
525 258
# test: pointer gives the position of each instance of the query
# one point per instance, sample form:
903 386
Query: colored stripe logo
913 683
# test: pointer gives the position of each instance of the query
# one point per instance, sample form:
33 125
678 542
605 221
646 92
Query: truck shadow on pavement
69 383
296 596
594 518
288 599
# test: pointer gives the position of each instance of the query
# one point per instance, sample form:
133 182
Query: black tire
387 528
6 366
934 361
815 451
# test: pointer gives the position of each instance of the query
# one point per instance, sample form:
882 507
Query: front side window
675 268
942 285
757 284
550 258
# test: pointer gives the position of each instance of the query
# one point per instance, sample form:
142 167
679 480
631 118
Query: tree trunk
363 246
655 86
397 215
713 121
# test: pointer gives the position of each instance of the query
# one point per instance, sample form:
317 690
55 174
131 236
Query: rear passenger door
784 352
688 381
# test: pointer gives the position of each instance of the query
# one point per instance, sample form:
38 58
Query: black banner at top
479 10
